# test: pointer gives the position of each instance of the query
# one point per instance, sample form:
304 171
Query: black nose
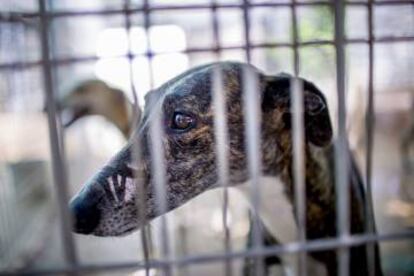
85 215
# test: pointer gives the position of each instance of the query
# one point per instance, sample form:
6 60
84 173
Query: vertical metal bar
298 138
216 29
370 126
164 237
145 236
295 38
14 213
157 149
11 215
251 104
8 225
183 245
5 225
158 170
127 17
141 205
55 136
147 24
341 147
221 139
2 226
253 124
221 134
246 24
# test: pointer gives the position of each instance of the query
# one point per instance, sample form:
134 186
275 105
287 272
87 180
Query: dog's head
95 97
108 206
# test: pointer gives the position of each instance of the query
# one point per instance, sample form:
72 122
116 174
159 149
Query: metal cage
36 29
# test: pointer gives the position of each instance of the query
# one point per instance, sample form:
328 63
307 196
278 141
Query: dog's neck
278 161
276 192
319 184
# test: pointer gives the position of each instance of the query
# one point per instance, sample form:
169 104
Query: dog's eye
182 121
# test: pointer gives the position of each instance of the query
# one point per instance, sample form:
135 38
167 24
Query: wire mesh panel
244 137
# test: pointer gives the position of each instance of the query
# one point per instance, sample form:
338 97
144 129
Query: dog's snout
85 214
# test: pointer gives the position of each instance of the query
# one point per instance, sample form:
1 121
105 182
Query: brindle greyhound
107 204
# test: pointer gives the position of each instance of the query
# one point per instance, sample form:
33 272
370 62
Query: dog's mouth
128 230
119 232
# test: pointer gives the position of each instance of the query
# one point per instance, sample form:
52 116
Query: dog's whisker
113 189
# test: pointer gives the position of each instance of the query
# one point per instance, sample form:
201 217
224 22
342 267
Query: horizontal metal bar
13 15
18 16
21 65
310 246
384 39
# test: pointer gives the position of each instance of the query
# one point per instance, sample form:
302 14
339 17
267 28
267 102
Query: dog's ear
277 95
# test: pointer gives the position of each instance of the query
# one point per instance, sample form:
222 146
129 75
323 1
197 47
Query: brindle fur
190 157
